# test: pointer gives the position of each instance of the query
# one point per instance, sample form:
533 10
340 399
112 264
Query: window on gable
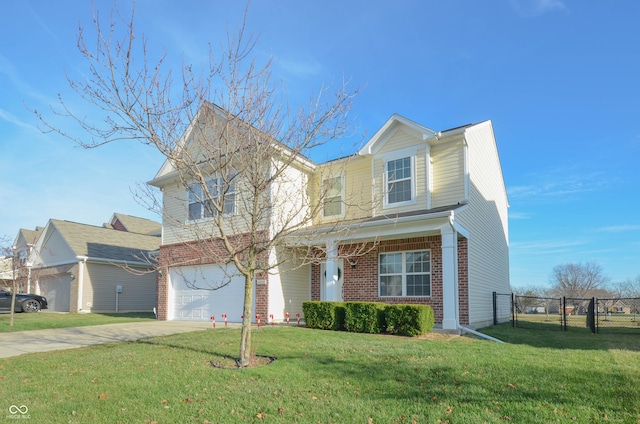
201 204
399 179
405 274
332 189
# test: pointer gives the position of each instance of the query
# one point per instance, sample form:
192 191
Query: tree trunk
13 293
245 335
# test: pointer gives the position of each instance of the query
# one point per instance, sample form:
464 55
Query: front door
339 284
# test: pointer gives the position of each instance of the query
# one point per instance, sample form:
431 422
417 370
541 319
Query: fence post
513 310
563 324
495 308
591 315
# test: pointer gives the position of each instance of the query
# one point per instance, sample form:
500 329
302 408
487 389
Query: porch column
449 278
331 271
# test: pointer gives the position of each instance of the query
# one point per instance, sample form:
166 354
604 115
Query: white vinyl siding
401 145
289 199
289 286
357 186
176 227
486 220
448 174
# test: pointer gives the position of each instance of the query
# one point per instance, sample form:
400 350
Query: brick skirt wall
360 282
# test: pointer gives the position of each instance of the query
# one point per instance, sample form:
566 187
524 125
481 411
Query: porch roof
414 223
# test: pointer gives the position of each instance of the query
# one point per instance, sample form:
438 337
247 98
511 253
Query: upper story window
405 274
399 180
333 197
201 202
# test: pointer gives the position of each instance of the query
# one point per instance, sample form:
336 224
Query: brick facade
360 282
201 253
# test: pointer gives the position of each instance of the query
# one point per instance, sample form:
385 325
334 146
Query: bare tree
578 281
230 141
8 253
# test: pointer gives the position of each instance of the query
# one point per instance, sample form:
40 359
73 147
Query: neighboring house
6 271
620 307
430 207
85 268
24 245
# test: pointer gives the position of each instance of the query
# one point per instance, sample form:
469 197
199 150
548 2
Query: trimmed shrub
323 315
364 317
409 320
340 314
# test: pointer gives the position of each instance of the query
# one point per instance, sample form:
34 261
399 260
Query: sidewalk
19 343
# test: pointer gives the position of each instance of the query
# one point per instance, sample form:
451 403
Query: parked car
24 302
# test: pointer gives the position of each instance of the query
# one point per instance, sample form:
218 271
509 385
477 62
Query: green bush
324 315
409 320
364 317
340 310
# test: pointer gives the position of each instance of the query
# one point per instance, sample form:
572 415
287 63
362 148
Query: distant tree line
576 281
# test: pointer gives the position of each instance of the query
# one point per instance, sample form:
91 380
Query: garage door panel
57 290
187 303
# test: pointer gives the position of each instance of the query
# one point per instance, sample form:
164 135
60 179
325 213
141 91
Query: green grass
333 377
44 320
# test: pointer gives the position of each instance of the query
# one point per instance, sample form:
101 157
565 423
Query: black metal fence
589 315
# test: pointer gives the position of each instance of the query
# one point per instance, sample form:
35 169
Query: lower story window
405 274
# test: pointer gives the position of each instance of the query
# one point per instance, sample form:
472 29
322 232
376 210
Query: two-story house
425 210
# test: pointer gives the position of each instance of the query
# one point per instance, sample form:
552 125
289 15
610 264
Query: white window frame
393 156
342 196
194 198
404 273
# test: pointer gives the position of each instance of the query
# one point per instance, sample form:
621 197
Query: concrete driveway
19 343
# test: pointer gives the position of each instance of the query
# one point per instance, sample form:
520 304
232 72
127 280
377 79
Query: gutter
98 260
476 333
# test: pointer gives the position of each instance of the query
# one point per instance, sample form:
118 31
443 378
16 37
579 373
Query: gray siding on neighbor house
99 289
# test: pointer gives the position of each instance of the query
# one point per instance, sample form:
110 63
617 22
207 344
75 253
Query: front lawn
44 320
327 377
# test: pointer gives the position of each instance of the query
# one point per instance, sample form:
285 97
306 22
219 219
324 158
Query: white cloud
620 228
535 8
545 247
299 68
519 215
563 183
11 118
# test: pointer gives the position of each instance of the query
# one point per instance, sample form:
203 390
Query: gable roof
102 243
31 236
397 122
390 127
168 171
134 224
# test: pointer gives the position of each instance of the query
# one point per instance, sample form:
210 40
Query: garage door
192 299
57 290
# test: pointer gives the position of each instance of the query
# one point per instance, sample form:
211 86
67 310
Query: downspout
81 262
476 333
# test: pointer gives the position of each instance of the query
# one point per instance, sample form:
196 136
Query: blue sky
559 79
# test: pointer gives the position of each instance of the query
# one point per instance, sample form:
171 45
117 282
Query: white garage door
57 290
191 297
